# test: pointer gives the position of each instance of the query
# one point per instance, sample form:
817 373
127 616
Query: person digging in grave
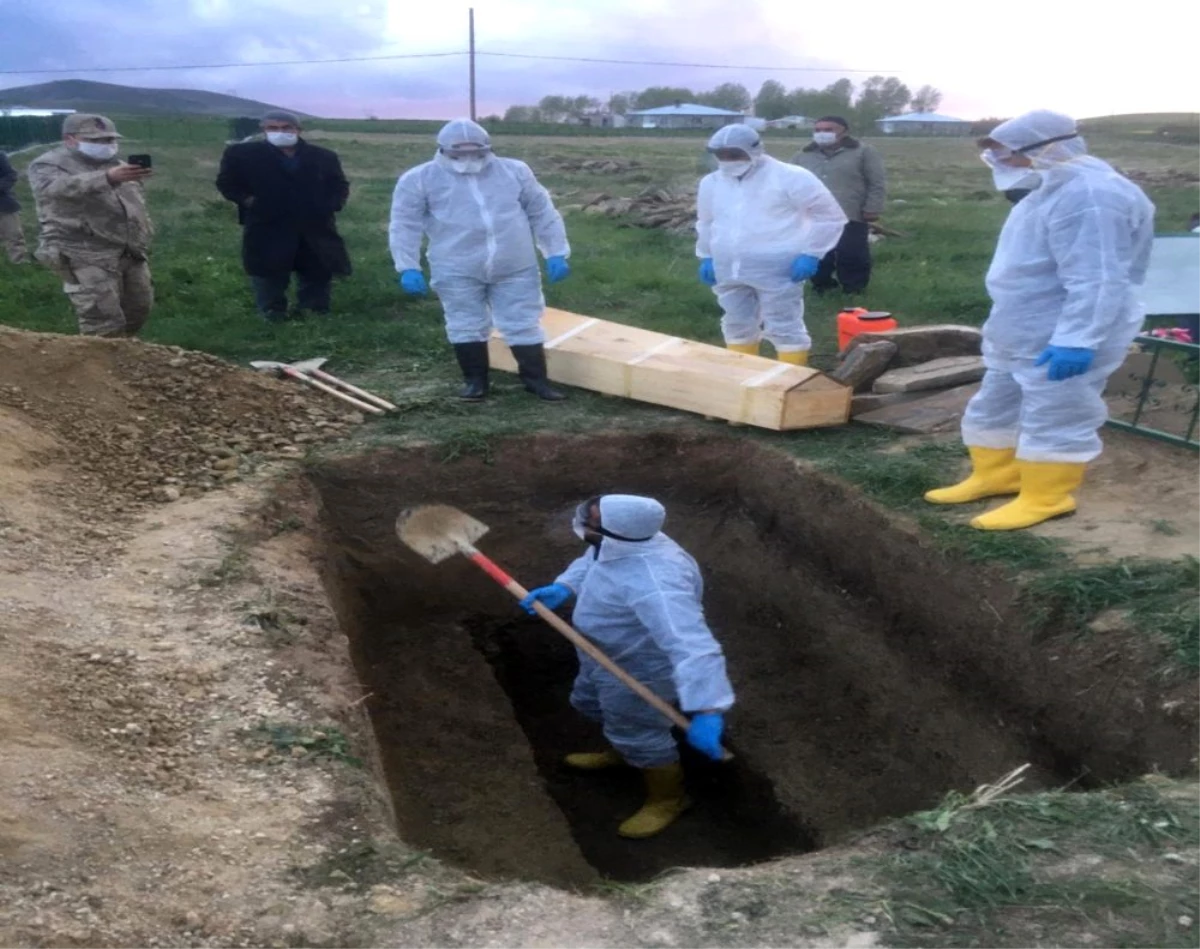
638 598
287 193
484 216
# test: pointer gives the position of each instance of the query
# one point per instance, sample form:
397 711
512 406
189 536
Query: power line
409 56
640 62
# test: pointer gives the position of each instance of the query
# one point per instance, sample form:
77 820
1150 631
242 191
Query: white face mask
824 138
468 166
734 169
283 139
97 151
1007 177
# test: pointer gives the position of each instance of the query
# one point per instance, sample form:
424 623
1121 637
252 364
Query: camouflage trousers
112 297
12 238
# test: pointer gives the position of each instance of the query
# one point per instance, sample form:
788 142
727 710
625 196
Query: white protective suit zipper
739 208
488 223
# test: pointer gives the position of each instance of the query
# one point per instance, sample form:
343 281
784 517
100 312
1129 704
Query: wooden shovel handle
361 393
493 570
348 399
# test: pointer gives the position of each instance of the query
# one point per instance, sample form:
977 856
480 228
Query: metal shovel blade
308 365
267 364
438 531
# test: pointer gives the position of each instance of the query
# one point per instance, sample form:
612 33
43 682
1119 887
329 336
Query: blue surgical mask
824 138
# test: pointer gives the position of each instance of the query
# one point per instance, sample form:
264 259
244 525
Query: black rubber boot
473 361
531 367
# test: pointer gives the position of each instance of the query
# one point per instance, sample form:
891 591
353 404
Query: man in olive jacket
853 171
287 192
12 238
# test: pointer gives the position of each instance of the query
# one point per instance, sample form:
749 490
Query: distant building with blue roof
923 123
683 115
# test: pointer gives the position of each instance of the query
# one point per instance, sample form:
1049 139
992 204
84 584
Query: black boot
473 361
531 367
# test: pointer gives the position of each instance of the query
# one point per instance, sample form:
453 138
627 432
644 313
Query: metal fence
1155 393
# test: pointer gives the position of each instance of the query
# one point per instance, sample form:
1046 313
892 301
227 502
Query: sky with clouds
988 59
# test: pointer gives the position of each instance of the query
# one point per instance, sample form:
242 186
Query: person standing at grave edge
288 192
854 172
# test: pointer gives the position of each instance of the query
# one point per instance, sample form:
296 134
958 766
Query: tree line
877 97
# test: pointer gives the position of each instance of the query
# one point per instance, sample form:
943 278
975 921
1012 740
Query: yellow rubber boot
1046 488
594 760
665 801
746 349
993 471
797 358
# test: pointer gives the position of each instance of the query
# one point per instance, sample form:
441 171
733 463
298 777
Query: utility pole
471 21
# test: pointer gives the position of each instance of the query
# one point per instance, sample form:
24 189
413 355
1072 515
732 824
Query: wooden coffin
666 370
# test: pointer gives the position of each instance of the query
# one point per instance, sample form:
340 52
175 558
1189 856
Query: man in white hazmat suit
762 228
483 215
638 597
1064 283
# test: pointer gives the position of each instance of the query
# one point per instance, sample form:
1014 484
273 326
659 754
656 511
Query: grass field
940 197
964 878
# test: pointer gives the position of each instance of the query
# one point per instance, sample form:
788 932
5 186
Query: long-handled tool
312 367
438 531
283 369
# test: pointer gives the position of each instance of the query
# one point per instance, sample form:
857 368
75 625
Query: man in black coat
12 238
287 192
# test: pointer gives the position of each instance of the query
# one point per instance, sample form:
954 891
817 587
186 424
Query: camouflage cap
84 126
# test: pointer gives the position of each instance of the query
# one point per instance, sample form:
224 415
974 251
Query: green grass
1159 597
940 197
1023 867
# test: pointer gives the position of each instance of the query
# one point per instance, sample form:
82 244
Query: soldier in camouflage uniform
95 232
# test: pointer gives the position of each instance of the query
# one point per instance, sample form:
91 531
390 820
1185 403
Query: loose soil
179 712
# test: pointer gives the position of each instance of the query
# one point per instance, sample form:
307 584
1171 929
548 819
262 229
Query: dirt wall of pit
873 673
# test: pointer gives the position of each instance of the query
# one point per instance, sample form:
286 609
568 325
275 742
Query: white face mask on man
1005 176
734 169
468 166
824 138
98 151
283 139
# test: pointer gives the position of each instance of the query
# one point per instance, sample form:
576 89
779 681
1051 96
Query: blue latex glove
552 597
413 283
557 269
704 734
708 273
1065 361
804 267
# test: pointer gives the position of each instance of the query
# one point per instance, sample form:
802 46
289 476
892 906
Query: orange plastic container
851 322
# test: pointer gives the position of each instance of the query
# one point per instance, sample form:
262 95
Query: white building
791 122
19 110
923 123
683 115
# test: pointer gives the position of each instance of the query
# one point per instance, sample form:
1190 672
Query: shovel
438 531
312 367
283 369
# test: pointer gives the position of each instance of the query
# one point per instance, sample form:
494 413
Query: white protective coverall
753 227
1067 271
639 600
482 228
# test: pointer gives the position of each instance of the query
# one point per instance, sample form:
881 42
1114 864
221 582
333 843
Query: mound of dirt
110 424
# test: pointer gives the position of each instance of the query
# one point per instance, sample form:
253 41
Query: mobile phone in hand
141 161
